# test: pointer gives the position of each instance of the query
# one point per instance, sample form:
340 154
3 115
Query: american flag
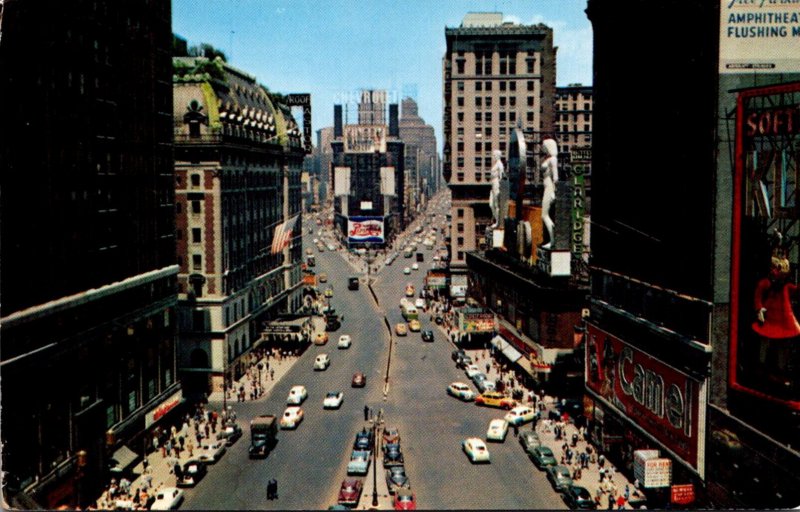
283 234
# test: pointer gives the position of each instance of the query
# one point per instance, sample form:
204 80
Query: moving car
415 266
392 455
322 362
495 399
193 472
427 335
297 395
321 339
359 462
168 498
406 271
542 456
230 433
520 415
329 292
484 385
475 449
471 370
410 290
414 325
400 329
404 499
578 498
344 341
391 435
498 430
322 277
359 380
363 440
211 451
559 477
292 417
396 478
333 400
352 283
461 390
529 441
350 492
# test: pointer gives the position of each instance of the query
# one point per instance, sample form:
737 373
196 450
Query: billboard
477 322
759 36
365 138
365 229
341 181
387 181
664 402
764 328
458 285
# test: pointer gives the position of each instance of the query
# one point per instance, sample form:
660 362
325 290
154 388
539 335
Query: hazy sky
333 48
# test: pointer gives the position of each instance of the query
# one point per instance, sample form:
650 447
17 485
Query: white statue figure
498 173
549 179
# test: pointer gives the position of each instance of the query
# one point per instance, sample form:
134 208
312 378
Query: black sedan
458 354
529 440
231 432
193 472
427 335
559 477
363 440
578 498
396 478
392 456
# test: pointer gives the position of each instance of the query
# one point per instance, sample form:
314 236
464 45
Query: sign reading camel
365 229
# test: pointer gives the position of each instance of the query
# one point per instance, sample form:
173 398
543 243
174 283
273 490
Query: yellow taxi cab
329 292
414 325
321 339
400 329
495 399
410 290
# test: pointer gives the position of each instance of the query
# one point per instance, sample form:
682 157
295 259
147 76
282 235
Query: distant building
574 130
238 164
422 159
372 107
88 277
323 156
497 75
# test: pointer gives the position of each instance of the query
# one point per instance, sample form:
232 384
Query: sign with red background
661 400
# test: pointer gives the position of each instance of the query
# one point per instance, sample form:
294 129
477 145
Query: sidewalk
156 470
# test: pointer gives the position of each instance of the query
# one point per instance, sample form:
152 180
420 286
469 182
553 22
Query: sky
334 48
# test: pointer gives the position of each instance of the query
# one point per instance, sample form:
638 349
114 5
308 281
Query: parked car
333 400
471 370
475 449
168 498
404 499
391 435
396 478
292 417
363 440
322 362
578 498
350 492
344 341
406 271
230 433
297 395
495 399
359 380
461 390
193 472
359 462
400 329
321 338
484 385
542 456
559 477
529 441
464 361
520 415
415 266
427 335
458 354
392 455
211 451
498 430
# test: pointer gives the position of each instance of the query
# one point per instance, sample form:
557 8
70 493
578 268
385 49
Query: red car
391 435
359 380
350 492
404 499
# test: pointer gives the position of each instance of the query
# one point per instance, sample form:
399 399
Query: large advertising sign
365 138
759 36
365 229
458 285
765 333
666 403
477 322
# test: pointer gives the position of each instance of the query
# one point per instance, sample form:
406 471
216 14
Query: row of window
567 107
573 117
502 85
480 101
506 65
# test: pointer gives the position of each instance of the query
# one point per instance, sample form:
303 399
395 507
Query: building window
512 116
478 117
478 86
502 117
502 86
488 131
512 86
478 101
460 66
487 86
488 161
585 116
478 146
460 176
460 116
460 227
587 106
460 241
512 65
488 101
197 262
530 85
529 117
460 145
196 235
487 116
460 101
460 255
460 130
503 147
487 146
502 101
512 101
460 162
460 213
196 207
460 86
530 65
478 161
530 101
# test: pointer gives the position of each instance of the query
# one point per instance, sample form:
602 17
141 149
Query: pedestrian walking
620 502
516 430
366 413
611 502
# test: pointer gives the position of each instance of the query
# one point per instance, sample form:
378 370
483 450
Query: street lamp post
260 366
375 462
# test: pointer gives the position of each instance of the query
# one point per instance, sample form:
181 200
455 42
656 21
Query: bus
409 310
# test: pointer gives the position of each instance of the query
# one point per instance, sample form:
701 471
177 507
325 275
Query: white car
211 451
333 400
406 271
296 395
419 303
520 415
415 266
472 370
498 429
461 390
168 498
475 449
292 417
344 341
322 362
315 241
331 247
435 257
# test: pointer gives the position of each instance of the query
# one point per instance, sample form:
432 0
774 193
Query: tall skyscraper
89 281
422 159
497 75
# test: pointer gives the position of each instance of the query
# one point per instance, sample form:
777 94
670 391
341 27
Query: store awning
499 343
505 347
122 458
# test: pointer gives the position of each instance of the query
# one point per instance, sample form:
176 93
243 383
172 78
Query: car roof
298 388
292 408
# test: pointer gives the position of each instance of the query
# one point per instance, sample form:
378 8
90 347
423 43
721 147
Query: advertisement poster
365 229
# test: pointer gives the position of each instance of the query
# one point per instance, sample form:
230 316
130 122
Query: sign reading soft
365 229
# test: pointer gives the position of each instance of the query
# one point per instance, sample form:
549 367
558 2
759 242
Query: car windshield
333 395
405 497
